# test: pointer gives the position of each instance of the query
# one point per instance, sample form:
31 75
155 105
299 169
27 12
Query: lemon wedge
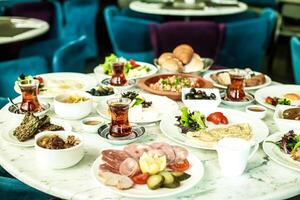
152 164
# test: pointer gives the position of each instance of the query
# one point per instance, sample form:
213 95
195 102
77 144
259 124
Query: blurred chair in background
205 37
11 189
261 3
63 54
3 102
295 52
246 41
130 37
80 19
10 70
50 12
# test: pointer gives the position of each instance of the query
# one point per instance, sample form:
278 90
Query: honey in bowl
256 109
92 122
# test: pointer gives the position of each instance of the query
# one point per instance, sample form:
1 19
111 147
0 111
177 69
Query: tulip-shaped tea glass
29 89
119 108
118 74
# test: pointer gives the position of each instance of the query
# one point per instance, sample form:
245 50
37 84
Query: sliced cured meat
115 154
106 167
180 153
113 162
157 152
116 180
136 150
129 167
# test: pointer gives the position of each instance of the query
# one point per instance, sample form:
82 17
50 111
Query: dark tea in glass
118 75
235 91
29 89
119 108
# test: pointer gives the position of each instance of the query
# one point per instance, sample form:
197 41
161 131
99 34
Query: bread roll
292 96
173 64
196 64
163 57
184 53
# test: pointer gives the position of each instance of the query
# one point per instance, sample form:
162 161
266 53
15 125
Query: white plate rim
184 140
9 138
99 72
208 74
268 149
92 82
258 93
194 161
171 103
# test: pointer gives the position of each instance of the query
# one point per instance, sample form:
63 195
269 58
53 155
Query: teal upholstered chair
10 70
62 55
130 37
3 102
12 189
80 19
295 52
246 41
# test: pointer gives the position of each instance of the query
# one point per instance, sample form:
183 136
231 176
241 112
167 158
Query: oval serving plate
145 84
142 191
8 136
207 76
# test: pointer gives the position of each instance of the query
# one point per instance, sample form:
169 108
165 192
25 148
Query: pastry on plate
196 64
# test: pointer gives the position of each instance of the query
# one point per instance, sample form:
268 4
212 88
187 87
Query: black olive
193 91
213 96
189 96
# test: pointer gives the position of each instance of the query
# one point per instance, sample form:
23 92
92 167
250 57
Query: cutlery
11 101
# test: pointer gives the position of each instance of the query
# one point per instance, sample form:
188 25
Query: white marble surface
40 27
156 9
263 179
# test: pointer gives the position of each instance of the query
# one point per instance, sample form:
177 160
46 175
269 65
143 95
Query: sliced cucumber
155 181
180 176
169 178
174 184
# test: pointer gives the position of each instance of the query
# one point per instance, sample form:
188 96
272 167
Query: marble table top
263 178
157 9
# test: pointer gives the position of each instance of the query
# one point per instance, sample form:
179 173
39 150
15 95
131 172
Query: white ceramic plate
160 105
207 76
101 75
277 155
11 139
259 129
196 171
274 91
57 83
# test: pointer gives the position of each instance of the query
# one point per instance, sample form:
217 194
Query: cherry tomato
141 178
224 120
217 118
40 79
133 63
269 100
180 166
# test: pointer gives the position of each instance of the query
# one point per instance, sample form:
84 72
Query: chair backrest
127 34
205 37
71 57
3 102
50 12
246 41
80 19
10 70
295 52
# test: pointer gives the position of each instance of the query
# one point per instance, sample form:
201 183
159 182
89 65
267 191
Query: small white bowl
91 128
73 110
59 158
198 103
285 125
256 111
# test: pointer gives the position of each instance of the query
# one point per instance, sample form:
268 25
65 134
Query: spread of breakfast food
132 114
